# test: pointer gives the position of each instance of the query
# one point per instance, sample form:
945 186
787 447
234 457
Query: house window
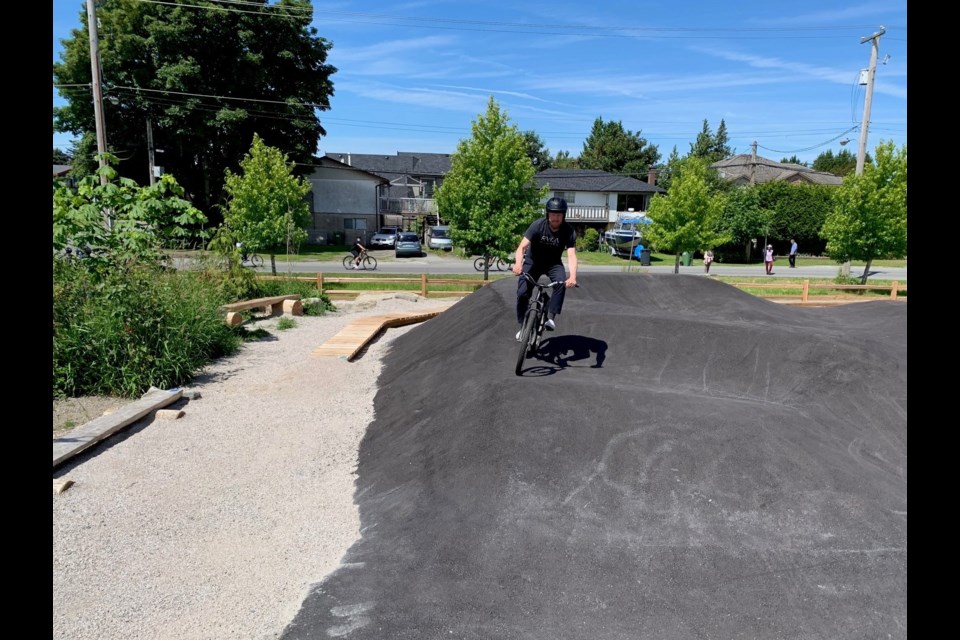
569 196
627 201
358 224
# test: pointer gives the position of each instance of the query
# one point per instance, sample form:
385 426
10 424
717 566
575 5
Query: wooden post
320 281
893 290
806 291
423 285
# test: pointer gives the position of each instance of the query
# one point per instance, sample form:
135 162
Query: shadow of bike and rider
564 350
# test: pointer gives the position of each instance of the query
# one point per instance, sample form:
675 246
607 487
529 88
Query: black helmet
557 205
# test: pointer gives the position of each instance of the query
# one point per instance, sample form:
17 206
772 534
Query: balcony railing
411 206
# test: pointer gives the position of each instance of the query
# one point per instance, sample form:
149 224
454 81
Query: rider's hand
571 282
517 268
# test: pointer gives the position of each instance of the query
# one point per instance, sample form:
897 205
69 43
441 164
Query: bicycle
252 259
492 263
367 261
534 320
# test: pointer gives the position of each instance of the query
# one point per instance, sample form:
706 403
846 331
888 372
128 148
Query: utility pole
150 151
864 126
97 86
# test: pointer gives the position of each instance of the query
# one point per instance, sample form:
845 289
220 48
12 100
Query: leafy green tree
563 161
207 78
266 209
711 147
743 220
611 148
83 154
539 154
793 160
667 171
869 218
489 196
842 164
120 224
688 217
60 156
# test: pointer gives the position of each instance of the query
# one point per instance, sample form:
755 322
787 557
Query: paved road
451 265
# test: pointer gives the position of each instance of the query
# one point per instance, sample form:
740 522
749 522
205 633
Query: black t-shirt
357 247
547 247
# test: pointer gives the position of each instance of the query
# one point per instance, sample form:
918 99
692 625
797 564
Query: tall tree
611 148
539 154
266 210
709 146
60 156
842 164
869 218
207 76
563 161
489 196
743 218
687 218
793 160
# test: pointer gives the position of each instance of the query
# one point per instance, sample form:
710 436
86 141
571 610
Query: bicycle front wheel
526 335
370 263
256 260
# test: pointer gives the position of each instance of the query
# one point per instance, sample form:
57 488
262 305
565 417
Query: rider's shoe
518 334
550 324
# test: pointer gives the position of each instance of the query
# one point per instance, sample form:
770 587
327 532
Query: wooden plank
351 340
87 435
259 302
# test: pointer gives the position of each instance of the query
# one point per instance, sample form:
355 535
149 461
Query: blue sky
413 76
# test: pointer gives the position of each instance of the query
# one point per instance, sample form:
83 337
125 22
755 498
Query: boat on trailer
623 238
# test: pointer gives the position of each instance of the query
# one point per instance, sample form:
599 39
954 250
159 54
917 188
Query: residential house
344 202
744 169
596 198
411 179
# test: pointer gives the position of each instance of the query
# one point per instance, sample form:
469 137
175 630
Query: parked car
386 238
408 244
440 238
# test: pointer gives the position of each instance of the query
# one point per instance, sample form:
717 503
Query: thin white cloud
834 16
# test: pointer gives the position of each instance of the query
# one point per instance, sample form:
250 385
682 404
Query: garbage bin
645 257
686 258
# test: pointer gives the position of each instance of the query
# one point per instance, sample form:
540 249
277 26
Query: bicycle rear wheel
478 263
526 334
369 262
347 261
256 260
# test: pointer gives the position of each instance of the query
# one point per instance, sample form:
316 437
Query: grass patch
285 323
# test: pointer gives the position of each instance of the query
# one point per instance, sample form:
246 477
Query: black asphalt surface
684 461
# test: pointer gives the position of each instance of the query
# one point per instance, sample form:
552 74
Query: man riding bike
357 250
539 253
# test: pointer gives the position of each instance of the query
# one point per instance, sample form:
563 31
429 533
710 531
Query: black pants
555 272
793 260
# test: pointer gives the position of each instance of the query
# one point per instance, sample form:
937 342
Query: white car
386 238
440 238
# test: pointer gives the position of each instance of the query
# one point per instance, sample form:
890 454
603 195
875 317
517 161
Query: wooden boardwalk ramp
351 340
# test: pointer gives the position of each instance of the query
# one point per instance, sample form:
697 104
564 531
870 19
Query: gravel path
217 524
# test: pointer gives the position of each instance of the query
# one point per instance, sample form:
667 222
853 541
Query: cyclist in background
357 251
539 253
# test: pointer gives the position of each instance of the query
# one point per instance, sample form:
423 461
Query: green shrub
285 323
589 241
123 331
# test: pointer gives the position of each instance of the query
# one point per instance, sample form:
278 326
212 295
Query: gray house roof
738 168
60 170
405 163
593 180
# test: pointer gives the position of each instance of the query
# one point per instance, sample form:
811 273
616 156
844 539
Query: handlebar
548 285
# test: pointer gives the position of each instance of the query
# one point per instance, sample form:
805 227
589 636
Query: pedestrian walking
768 259
707 261
793 254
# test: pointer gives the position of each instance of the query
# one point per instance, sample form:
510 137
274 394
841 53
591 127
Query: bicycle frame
536 317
